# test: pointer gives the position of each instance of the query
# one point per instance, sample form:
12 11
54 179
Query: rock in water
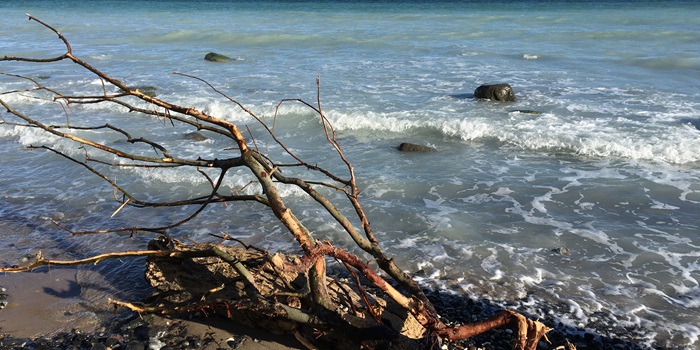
216 57
3 296
497 92
525 111
147 90
195 136
411 147
562 251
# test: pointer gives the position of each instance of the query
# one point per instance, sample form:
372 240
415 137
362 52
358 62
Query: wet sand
41 303
53 310
52 306
222 333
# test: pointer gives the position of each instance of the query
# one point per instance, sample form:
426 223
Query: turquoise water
609 169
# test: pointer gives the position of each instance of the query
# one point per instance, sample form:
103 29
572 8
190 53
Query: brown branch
65 41
232 128
528 332
363 294
426 317
39 87
175 310
96 145
268 174
162 229
195 123
101 257
260 305
140 203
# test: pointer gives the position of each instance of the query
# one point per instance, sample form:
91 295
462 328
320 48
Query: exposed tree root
528 332
281 279
271 292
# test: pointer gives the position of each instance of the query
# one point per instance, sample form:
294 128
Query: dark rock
141 332
153 331
216 57
98 347
498 92
235 343
195 136
135 345
112 342
133 324
692 122
13 343
411 147
562 251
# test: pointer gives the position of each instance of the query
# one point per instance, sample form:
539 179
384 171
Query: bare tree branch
324 308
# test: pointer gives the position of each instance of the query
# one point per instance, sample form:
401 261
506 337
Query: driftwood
363 319
282 293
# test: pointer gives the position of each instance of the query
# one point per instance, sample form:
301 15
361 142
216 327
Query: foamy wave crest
401 122
393 122
596 137
679 148
191 179
15 100
180 35
29 136
221 109
102 57
467 129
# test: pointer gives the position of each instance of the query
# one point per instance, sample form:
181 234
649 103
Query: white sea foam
407 242
101 57
663 206
598 137
29 136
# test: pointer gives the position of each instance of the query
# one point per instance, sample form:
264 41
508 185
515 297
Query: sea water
590 204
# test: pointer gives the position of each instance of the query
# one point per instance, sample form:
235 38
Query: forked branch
268 175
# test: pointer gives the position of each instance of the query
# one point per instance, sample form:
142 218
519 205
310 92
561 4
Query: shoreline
159 332
201 331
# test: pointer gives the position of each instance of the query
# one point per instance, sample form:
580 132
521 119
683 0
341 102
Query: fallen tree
378 307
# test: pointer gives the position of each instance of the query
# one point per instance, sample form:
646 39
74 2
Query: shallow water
609 169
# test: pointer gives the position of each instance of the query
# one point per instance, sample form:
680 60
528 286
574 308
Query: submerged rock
497 92
147 90
562 251
216 57
195 136
412 147
692 122
526 111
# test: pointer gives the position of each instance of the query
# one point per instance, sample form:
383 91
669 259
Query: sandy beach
51 304
46 310
49 310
